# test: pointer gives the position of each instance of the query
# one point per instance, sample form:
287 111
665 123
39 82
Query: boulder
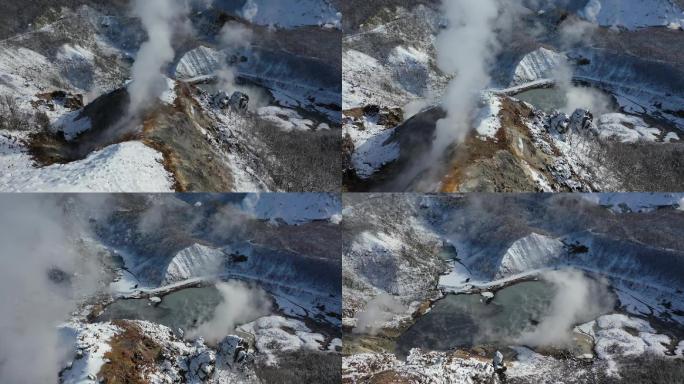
239 101
371 110
581 121
201 363
498 363
234 350
559 123
155 300
220 100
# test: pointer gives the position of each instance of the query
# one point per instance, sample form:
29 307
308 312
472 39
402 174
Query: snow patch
91 345
72 124
613 339
488 122
286 119
625 128
635 202
371 147
277 334
201 61
293 13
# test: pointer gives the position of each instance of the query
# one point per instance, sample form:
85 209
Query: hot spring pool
551 99
184 309
461 321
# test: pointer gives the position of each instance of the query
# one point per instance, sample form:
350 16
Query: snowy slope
129 166
201 61
537 65
529 253
633 14
291 13
194 261
371 147
294 208
636 202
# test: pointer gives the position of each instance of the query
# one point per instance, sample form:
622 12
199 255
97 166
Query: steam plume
465 48
578 299
42 276
158 18
241 304
378 311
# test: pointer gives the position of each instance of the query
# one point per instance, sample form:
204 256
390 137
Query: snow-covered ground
295 208
277 334
636 202
371 147
292 13
129 166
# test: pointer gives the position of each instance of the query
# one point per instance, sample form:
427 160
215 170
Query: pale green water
184 309
546 99
552 99
466 320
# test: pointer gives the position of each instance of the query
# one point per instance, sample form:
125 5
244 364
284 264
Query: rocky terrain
172 289
405 256
82 110
578 96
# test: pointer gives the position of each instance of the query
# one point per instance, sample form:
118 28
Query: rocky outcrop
537 65
528 253
201 61
194 261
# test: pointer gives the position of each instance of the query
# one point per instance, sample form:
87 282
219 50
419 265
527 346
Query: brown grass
131 354
474 149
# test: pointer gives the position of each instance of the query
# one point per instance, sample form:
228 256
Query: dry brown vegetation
132 353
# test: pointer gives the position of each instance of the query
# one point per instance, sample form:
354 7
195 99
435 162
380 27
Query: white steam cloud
233 38
576 97
465 49
160 19
43 274
379 310
578 299
250 10
241 304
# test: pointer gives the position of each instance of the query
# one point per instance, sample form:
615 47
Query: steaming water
466 320
549 99
184 309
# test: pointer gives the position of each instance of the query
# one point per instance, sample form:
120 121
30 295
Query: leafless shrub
42 121
301 161
642 166
649 369
11 116
303 367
